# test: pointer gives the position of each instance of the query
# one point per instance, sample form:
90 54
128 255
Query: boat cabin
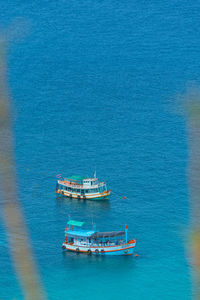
81 237
81 187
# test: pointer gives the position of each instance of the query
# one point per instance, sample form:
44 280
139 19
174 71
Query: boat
80 187
90 242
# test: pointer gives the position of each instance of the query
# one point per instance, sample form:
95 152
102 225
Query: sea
94 87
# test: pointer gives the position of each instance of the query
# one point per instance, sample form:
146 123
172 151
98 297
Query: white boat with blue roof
90 242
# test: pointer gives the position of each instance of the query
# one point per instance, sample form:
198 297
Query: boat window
86 191
69 189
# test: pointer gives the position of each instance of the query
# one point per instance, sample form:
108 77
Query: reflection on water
112 263
63 201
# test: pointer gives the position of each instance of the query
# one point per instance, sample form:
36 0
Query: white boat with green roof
81 187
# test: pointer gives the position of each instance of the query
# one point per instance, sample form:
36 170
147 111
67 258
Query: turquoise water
94 86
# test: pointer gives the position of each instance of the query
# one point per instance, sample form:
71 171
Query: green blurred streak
191 104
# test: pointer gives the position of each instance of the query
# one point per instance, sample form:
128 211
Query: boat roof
93 234
75 223
107 234
80 233
77 177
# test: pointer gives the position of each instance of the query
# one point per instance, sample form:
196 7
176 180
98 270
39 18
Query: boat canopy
76 178
107 234
92 234
75 223
80 233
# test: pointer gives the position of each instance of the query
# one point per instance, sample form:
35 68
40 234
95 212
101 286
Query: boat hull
100 196
125 249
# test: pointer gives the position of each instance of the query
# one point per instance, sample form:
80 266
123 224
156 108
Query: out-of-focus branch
17 233
191 102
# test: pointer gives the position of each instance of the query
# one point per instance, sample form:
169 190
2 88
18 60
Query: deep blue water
94 86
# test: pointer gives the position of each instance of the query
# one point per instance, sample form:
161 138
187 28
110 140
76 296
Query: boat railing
69 243
107 244
81 186
82 243
101 245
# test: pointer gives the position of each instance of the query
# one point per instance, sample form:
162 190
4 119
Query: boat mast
126 234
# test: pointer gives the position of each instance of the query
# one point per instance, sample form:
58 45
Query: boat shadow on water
81 260
63 201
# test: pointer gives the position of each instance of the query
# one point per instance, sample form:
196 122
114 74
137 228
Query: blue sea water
94 86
